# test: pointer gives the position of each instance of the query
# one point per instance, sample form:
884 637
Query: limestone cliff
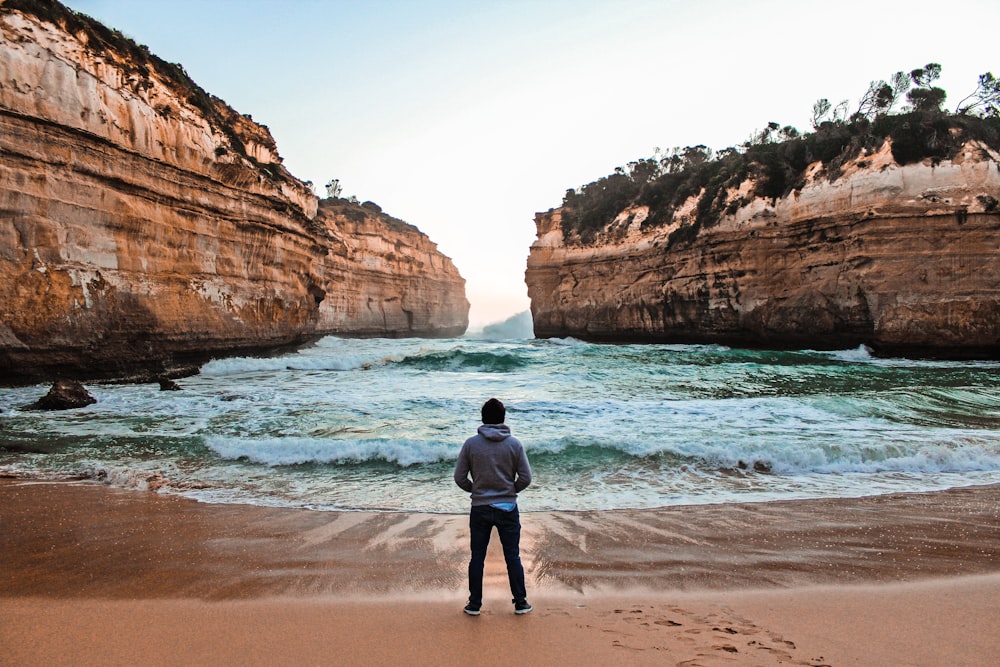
905 259
383 276
145 225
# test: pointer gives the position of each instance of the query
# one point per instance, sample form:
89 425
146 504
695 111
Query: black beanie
493 412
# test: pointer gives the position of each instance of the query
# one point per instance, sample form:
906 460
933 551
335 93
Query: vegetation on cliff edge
776 158
136 59
358 212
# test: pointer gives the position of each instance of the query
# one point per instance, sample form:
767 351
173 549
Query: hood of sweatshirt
494 432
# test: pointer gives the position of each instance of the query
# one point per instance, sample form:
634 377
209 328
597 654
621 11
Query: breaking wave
377 424
460 360
297 451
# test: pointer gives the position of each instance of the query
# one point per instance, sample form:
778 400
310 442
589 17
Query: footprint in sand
707 639
726 647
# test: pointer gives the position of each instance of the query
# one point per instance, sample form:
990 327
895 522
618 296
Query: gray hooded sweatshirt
497 463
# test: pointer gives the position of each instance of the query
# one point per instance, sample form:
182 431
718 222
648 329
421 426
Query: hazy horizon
466 118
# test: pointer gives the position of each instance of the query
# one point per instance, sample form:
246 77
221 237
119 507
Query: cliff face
145 225
384 277
905 259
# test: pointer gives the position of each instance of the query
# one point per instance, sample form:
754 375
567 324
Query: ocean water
375 424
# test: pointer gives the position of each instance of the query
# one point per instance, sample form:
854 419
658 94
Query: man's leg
480 527
509 530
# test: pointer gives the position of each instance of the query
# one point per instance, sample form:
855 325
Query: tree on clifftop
926 97
882 95
776 159
985 99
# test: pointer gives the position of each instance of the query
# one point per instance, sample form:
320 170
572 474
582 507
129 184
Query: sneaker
472 609
522 607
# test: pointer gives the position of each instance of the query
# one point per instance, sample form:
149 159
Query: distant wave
518 326
301 362
865 354
326 359
568 342
859 353
463 360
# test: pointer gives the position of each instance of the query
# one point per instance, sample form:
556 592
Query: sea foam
296 451
377 423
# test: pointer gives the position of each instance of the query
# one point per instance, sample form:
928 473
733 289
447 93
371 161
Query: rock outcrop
904 259
145 225
64 395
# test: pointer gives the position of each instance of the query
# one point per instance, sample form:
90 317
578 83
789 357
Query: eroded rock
64 395
166 384
148 226
870 258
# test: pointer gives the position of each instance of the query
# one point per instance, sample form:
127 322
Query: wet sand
97 575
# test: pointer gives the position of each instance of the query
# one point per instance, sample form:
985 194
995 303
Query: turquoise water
375 424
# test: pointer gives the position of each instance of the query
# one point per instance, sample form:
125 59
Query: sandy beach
95 575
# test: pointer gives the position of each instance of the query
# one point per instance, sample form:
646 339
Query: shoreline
115 575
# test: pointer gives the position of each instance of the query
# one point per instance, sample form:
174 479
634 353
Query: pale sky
465 117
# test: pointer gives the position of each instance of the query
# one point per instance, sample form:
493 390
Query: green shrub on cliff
137 59
776 158
359 212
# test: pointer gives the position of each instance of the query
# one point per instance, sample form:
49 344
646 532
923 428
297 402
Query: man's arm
462 469
523 479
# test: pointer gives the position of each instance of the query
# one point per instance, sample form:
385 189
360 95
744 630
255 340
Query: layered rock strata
383 277
904 259
145 225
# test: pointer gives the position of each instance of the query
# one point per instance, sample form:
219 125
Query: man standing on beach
499 470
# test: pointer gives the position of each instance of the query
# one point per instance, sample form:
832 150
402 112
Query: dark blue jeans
482 519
